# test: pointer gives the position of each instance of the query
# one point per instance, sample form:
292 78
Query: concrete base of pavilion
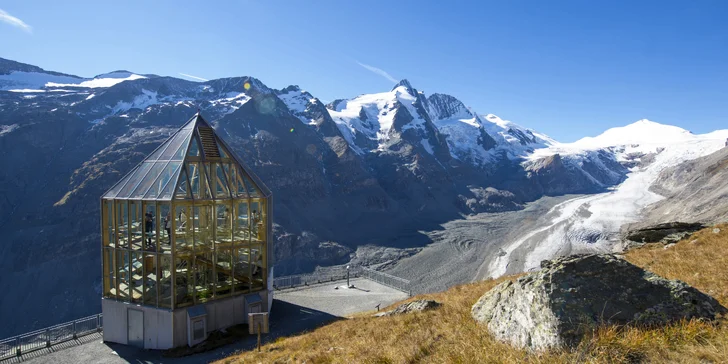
159 328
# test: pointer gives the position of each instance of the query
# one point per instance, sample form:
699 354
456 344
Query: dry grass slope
449 335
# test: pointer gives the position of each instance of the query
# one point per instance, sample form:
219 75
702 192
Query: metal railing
45 338
299 280
388 280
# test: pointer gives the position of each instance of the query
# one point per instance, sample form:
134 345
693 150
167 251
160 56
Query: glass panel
204 276
166 193
117 187
256 220
224 271
242 230
257 267
250 186
206 181
203 220
262 236
150 279
184 284
190 124
148 180
136 177
224 215
122 224
136 217
242 270
242 191
109 276
150 226
183 231
231 179
158 152
183 192
163 228
180 139
194 179
180 153
123 274
194 148
160 181
137 277
221 189
223 151
107 221
165 280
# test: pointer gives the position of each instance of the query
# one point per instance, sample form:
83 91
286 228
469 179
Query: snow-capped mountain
593 222
19 77
374 169
375 122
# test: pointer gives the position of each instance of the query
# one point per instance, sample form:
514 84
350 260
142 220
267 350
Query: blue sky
566 68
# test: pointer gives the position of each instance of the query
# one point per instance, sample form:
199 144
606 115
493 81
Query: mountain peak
291 88
404 83
640 132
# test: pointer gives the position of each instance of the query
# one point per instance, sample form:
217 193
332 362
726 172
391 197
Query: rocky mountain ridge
374 170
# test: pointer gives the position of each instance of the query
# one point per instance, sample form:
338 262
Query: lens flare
246 86
291 130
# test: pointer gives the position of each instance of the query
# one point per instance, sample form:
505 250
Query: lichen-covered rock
414 306
667 233
570 296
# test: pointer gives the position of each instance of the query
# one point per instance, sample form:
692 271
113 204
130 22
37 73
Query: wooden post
259 323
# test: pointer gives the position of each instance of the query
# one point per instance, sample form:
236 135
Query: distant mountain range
374 169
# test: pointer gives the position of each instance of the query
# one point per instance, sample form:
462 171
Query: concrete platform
294 311
343 302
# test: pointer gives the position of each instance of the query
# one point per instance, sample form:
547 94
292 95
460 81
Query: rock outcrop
572 295
667 233
414 306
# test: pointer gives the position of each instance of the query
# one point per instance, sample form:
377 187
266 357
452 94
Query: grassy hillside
449 335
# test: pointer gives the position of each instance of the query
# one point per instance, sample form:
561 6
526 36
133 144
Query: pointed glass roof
194 163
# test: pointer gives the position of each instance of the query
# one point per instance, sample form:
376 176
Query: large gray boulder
572 295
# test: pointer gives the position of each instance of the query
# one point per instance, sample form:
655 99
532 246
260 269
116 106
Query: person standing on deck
149 226
168 227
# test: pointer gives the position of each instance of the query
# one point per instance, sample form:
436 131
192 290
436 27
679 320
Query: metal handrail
389 280
45 338
299 280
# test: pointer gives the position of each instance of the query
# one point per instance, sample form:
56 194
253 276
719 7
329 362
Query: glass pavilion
188 225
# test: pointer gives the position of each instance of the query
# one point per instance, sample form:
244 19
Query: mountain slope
364 178
694 191
593 223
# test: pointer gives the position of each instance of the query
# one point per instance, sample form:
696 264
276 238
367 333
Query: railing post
98 323
18 350
74 331
48 338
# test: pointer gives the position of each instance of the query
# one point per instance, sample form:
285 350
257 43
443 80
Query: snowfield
592 223
19 81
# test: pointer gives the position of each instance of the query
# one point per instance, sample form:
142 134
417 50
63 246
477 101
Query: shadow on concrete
286 319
